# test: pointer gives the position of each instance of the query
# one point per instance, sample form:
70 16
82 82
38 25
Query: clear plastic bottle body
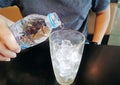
34 29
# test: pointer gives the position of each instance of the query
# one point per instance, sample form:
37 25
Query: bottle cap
54 20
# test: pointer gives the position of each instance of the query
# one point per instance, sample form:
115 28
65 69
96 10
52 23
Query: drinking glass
66 49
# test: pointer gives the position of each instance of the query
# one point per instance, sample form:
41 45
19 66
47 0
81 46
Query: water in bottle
34 29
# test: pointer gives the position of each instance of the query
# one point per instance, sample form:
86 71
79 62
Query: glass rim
83 36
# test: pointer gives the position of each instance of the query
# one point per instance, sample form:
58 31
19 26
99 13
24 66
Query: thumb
6 20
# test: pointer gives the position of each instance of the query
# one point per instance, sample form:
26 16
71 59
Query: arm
8 45
101 24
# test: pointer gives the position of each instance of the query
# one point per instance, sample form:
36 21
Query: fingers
7 38
8 44
6 54
2 58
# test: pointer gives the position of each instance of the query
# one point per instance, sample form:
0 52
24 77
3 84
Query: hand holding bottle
27 32
8 45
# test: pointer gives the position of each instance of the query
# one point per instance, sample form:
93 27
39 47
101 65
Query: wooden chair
12 12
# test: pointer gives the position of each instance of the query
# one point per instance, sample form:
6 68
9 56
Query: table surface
100 66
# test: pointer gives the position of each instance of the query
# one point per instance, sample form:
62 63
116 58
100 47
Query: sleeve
100 5
6 3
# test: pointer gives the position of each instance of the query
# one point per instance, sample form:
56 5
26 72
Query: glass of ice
66 48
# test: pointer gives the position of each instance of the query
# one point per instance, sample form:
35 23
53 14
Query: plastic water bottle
34 29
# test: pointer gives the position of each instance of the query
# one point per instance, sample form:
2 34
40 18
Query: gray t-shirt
73 13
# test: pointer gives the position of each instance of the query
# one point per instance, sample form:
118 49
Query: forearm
101 25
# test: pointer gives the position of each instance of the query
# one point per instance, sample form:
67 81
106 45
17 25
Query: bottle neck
53 20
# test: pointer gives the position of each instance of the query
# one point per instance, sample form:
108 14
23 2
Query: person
73 13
